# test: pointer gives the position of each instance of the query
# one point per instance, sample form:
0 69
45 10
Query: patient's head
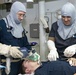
29 66
31 63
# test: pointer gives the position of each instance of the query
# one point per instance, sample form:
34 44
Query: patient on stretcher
32 66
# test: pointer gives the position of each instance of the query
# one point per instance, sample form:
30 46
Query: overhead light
29 0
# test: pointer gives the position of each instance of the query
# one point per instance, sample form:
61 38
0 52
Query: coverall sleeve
26 43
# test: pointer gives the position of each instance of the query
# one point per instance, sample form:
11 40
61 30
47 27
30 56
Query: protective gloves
15 52
4 49
53 55
70 51
8 50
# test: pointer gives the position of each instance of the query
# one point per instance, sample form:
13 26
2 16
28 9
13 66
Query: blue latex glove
33 43
1 67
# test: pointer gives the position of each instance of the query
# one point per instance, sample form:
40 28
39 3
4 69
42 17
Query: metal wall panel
34 30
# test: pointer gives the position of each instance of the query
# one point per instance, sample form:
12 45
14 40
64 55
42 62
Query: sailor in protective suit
13 34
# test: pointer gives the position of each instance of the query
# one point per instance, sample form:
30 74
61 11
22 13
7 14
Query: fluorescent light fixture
29 0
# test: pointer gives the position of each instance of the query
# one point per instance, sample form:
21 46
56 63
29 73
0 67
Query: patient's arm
75 74
72 61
